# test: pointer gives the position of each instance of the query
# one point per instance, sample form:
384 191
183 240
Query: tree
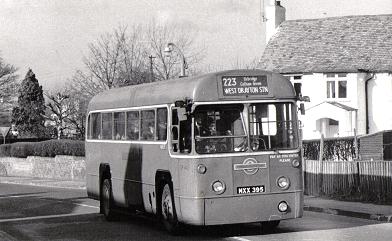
114 60
77 119
8 85
122 58
66 111
28 116
168 66
59 109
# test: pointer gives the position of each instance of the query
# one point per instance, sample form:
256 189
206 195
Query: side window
119 126
89 127
181 132
133 125
96 126
107 125
174 130
162 123
148 125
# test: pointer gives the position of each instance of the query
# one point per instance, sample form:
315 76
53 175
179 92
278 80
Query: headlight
283 182
201 169
283 207
218 187
295 163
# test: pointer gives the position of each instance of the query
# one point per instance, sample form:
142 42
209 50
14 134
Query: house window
336 86
296 80
331 89
297 88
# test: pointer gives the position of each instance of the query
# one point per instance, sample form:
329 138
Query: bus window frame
246 123
178 153
163 144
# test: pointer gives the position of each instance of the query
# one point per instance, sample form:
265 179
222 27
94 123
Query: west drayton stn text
244 85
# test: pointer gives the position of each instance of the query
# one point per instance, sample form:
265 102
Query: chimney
275 14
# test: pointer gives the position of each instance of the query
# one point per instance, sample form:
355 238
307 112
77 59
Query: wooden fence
352 180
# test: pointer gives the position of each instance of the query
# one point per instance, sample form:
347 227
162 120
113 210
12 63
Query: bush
22 149
49 148
5 150
53 148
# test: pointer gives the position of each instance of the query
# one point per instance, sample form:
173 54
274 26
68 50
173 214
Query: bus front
246 160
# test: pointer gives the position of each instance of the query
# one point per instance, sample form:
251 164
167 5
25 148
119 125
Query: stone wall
60 167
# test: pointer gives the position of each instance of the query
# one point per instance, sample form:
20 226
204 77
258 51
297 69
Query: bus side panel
92 168
155 157
132 158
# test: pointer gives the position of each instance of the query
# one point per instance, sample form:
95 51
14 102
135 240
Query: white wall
380 103
315 86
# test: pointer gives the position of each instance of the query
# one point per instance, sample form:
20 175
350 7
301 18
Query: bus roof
219 86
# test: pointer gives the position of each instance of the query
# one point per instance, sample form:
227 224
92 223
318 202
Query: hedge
49 148
5 150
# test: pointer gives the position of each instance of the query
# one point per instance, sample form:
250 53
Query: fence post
356 149
320 174
358 178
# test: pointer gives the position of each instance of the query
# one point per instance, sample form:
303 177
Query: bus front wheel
168 212
106 201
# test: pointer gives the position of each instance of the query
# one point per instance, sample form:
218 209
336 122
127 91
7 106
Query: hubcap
167 208
106 196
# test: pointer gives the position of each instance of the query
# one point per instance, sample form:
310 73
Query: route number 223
229 82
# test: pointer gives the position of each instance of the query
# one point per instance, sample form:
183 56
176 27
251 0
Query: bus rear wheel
106 201
168 212
269 226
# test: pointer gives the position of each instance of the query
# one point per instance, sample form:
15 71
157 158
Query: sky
51 36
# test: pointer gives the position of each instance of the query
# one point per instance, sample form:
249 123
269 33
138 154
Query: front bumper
240 209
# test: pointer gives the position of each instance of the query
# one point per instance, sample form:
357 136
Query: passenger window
89 127
107 125
119 126
96 125
133 125
181 133
148 125
162 123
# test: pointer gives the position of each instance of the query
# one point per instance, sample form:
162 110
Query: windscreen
272 126
219 129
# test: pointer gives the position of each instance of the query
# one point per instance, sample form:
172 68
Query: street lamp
169 49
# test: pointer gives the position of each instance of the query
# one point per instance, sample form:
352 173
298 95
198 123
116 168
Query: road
39 213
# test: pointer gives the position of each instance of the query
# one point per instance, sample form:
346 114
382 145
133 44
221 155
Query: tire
106 201
269 226
168 210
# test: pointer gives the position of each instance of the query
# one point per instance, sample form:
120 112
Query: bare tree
123 57
114 60
8 85
77 119
168 66
59 109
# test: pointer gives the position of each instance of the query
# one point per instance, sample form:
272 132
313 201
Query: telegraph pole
151 68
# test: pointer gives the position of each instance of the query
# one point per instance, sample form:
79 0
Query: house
343 64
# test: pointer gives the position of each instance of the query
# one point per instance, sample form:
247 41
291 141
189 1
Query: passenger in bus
200 129
162 131
149 133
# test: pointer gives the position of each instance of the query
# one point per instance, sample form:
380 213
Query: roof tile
338 44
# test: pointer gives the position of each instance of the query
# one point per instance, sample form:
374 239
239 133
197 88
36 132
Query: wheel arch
161 178
104 173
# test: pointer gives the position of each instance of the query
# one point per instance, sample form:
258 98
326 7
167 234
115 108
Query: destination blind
244 85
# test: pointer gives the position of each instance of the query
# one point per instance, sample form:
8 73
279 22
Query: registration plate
250 189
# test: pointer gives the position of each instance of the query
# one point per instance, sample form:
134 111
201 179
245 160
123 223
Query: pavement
382 213
370 211
32 181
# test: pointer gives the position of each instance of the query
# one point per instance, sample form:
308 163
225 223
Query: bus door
181 141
